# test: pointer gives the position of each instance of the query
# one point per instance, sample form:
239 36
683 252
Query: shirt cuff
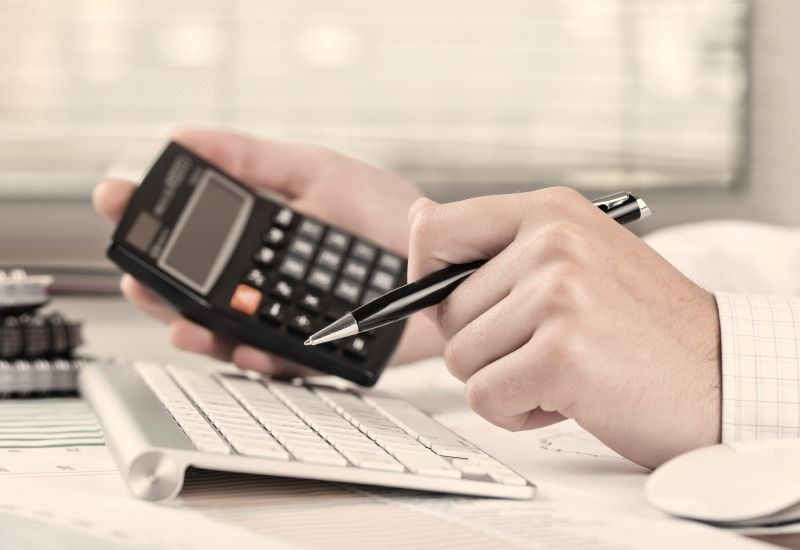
760 366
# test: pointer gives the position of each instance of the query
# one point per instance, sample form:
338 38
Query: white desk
562 460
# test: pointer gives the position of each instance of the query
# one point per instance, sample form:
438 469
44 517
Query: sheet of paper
34 516
339 516
47 423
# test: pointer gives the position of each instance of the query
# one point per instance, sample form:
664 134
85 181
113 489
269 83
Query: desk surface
114 328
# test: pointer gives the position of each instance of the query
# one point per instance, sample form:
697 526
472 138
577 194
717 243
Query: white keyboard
237 423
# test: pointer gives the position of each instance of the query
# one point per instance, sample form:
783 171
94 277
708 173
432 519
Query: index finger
459 232
285 168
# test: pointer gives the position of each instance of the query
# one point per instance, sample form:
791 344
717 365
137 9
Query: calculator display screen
196 251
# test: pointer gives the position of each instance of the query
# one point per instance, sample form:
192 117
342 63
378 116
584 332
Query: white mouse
742 484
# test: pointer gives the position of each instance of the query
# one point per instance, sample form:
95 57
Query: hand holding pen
402 302
573 316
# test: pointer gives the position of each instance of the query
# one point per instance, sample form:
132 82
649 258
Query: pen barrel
623 212
406 300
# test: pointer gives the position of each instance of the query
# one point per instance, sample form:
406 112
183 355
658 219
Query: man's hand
359 198
573 316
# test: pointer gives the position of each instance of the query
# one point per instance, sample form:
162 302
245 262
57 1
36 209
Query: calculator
246 266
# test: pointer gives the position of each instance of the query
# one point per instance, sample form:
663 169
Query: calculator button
337 239
357 346
273 312
382 281
370 295
311 229
300 322
310 302
282 290
274 237
390 262
284 217
293 267
302 247
265 256
329 258
355 270
363 251
347 290
255 278
246 299
320 278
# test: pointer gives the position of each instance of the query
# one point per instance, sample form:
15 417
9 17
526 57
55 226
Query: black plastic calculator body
250 268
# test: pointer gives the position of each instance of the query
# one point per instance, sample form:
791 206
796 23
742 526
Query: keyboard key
225 412
310 302
302 248
382 281
273 312
252 448
265 256
356 270
282 290
284 217
451 450
293 267
255 278
274 237
415 422
363 251
311 229
337 239
509 478
329 259
320 278
320 457
390 262
427 464
347 290
468 468
301 323
246 299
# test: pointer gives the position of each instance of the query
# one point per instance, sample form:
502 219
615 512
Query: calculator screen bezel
231 240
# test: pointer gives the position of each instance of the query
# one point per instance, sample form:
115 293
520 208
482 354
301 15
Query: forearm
420 340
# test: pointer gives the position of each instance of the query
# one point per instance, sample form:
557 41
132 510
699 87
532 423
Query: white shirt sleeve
760 366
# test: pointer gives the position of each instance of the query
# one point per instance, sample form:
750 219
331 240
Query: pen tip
309 341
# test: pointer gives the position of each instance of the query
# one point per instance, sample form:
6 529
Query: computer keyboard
160 420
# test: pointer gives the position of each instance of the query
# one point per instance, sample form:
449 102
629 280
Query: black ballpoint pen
406 300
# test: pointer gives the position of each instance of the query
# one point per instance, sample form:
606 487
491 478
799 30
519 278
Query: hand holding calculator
250 268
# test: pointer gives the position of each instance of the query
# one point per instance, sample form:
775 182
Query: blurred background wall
694 104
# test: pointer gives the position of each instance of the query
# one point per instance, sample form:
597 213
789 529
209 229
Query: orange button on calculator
246 299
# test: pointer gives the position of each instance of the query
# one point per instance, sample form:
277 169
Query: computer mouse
746 484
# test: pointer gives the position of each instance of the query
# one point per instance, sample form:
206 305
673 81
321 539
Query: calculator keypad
311 275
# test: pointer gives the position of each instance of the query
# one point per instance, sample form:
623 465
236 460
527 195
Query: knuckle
561 281
454 359
424 221
478 397
560 236
483 402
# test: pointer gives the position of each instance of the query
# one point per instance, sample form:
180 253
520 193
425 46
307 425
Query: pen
403 301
